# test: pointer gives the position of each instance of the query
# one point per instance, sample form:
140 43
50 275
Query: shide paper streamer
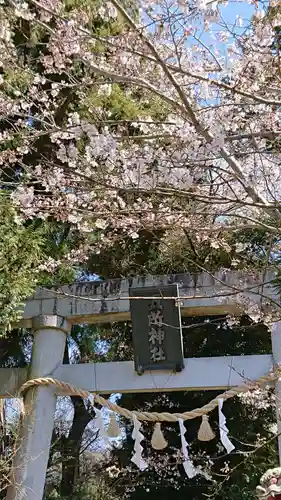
223 429
138 437
99 420
188 466
190 470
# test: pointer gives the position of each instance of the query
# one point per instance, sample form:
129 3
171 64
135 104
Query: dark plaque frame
171 342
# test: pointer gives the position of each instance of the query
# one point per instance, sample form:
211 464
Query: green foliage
21 251
24 247
65 273
159 252
121 103
93 489
14 142
16 80
96 22
274 14
15 348
122 106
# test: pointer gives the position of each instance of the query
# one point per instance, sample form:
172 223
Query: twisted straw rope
151 416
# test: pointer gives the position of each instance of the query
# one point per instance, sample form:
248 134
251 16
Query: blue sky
229 12
237 8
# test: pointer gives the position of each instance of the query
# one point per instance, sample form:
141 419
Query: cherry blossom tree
201 160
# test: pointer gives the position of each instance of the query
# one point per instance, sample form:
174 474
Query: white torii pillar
34 440
276 353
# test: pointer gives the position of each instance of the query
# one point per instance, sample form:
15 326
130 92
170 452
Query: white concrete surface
276 356
33 444
198 374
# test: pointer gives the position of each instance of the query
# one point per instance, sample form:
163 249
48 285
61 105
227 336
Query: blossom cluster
145 124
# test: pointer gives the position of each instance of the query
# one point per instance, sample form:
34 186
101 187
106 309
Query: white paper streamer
100 425
223 429
91 398
138 437
188 466
99 420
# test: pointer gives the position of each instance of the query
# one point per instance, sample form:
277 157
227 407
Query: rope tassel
100 425
158 441
205 432
113 430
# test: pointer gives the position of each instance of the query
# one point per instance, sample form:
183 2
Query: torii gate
51 313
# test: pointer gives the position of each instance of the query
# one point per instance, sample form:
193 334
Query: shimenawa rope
151 416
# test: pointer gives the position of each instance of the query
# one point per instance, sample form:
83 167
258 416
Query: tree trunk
71 445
